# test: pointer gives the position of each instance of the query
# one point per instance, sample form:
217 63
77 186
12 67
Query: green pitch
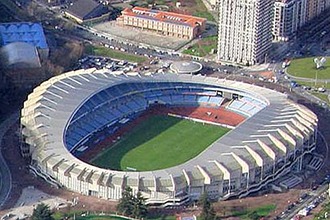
306 68
159 142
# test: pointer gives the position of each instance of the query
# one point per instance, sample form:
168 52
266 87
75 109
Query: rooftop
83 8
186 67
54 101
28 32
19 55
169 17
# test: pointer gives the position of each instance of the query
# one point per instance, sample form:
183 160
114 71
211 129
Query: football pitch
159 142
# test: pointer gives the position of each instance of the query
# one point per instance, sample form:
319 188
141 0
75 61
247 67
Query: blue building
24 33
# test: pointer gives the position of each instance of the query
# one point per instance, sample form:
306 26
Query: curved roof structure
31 33
20 55
268 137
186 67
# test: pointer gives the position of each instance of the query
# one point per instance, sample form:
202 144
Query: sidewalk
5 181
260 67
307 79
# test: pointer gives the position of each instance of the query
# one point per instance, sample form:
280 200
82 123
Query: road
305 203
6 180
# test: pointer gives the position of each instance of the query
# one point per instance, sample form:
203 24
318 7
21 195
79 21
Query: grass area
305 67
200 10
159 142
324 213
69 214
99 217
78 216
257 213
162 217
203 47
322 96
114 54
193 7
313 85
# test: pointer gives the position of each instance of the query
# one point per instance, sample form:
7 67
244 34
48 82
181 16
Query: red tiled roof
164 16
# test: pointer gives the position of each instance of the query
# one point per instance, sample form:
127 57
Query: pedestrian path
6 181
260 67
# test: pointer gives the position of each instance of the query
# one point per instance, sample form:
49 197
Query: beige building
316 7
164 23
289 16
245 31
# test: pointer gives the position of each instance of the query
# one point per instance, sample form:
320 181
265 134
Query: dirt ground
137 35
282 200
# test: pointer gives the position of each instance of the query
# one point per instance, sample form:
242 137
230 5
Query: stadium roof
31 33
86 9
260 139
186 67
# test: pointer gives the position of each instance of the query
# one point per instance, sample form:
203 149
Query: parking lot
99 62
118 67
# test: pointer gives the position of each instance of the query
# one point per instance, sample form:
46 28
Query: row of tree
134 206
131 205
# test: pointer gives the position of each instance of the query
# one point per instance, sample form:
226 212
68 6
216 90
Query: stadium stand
246 106
315 163
291 182
276 136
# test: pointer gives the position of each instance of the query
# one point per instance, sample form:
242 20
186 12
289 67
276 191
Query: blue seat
216 100
124 109
190 98
236 104
165 99
177 99
203 99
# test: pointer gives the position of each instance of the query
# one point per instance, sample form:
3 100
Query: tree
125 205
254 215
131 205
140 209
42 212
208 212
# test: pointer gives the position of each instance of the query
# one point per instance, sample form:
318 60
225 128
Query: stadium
264 135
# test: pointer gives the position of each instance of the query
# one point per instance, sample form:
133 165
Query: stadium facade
63 113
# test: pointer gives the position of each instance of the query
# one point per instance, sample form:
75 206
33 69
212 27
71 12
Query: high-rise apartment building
316 7
245 30
289 16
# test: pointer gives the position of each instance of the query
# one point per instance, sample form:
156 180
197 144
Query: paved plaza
137 35
29 199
